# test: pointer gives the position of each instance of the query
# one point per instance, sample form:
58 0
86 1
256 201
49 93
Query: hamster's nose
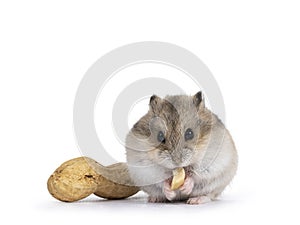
177 159
181 157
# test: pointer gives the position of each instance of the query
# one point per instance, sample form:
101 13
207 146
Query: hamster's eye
189 134
161 137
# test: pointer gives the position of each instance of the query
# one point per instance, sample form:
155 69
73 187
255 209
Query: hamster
180 132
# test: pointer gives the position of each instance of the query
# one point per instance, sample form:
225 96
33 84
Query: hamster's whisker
162 160
195 172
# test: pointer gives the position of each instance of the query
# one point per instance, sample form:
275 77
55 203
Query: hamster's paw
187 186
198 200
156 199
170 194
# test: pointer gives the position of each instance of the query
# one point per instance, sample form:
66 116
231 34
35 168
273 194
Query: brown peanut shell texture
78 178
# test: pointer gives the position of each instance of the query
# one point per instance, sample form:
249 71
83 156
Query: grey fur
210 158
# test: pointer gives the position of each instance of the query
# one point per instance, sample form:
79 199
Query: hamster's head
173 133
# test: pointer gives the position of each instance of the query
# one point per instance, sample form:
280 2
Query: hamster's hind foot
157 199
198 200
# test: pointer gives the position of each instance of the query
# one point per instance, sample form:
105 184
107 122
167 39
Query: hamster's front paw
187 186
170 194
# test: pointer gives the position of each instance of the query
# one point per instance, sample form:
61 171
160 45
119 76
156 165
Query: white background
251 47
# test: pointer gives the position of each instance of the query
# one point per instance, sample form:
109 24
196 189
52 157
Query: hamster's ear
198 100
155 103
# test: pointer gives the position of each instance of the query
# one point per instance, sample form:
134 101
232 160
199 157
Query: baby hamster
180 132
